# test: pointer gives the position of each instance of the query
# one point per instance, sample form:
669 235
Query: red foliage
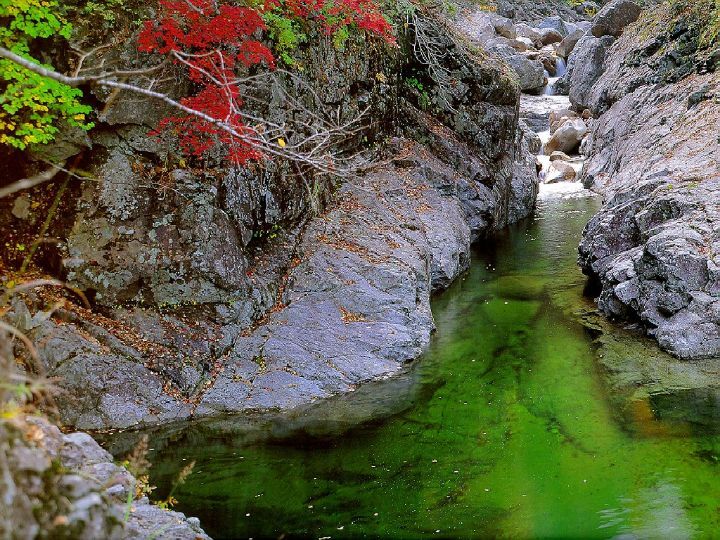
212 41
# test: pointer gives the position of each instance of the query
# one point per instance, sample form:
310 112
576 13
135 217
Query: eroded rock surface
655 154
82 493
226 291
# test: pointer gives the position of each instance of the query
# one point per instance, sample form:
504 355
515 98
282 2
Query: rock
588 8
523 44
68 142
529 11
651 247
561 156
50 488
21 206
566 46
560 171
558 117
525 31
567 137
554 23
614 17
548 36
504 27
547 58
585 67
184 274
530 73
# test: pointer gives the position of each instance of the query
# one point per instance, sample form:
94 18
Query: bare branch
314 150
27 183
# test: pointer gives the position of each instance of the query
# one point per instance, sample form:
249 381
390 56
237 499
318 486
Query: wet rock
614 17
567 137
560 171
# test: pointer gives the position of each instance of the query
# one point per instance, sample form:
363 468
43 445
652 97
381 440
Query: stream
512 425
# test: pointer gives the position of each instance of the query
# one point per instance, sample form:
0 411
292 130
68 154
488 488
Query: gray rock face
216 289
567 45
650 247
614 17
530 73
653 247
82 493
586 65
358 307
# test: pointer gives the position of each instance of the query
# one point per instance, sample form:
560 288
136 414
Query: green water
508 427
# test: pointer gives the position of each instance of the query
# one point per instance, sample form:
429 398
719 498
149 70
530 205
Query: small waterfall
560 70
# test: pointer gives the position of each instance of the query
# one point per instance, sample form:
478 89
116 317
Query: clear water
508 427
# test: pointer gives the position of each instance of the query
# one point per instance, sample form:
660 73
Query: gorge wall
247 289
654 153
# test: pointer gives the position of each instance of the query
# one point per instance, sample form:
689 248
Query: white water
544 104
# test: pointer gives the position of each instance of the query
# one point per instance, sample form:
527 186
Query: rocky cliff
654 153
220 290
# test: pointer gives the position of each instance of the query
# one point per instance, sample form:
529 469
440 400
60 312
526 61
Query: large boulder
504 27
585 67
614 17
568 137
530 73
555 23
548 36
566 46
526 31
560 171
558 117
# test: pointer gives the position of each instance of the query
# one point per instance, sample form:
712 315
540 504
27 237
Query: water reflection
515 424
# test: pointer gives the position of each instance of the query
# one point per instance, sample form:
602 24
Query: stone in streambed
548 36
566 46
559 117
567 137
560 171
530 73
561 156
525 31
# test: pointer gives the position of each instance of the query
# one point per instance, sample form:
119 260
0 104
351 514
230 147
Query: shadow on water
526 418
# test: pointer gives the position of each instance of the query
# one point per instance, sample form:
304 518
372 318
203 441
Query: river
509 426
529 417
